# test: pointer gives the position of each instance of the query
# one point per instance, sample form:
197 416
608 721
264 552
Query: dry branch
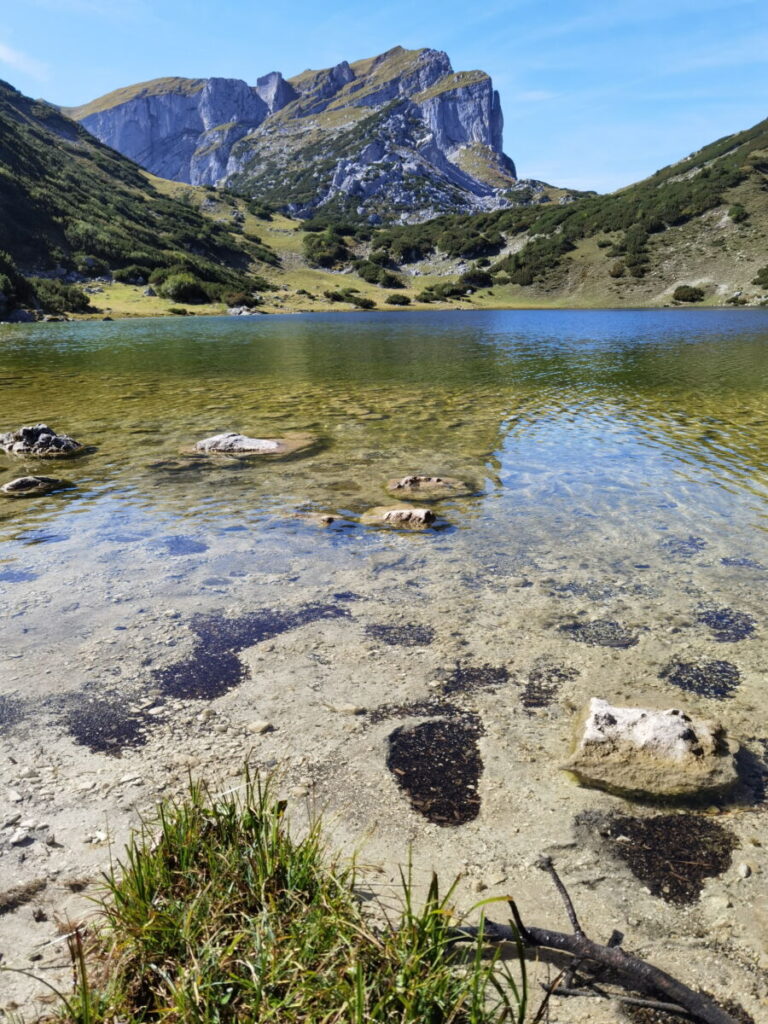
641 975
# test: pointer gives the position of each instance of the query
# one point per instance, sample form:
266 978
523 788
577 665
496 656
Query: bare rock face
40 442
429 488
643 752
401 516
433 136
32 486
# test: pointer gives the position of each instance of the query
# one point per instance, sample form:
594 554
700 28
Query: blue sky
595 94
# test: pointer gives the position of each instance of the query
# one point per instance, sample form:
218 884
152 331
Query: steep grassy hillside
68 202
700 223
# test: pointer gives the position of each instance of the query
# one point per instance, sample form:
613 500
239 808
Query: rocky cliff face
400 135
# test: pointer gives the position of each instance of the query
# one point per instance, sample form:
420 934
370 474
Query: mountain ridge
399 135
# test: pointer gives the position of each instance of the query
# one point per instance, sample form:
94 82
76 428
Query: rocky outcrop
233 444
646 753
398 134
429 488
400 516
33 486
39 442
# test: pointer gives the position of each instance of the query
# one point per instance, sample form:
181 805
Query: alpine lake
169 615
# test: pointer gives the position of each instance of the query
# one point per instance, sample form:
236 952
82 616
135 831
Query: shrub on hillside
54 296
397 300
184 287
687 293
762 278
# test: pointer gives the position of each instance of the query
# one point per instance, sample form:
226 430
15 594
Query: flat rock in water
645 752
429 488
241 445
401 515
39 441
32 486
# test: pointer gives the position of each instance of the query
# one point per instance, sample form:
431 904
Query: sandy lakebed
167 618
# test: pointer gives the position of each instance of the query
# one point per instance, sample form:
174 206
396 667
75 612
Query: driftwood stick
631 967
545 863
639 973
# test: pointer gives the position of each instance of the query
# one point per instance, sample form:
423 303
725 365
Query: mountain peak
396 134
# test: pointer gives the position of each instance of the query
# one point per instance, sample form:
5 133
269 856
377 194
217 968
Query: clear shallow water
621 459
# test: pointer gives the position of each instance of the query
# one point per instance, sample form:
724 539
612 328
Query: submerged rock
644 752
430 488
33 486
231 443
41 441
401 515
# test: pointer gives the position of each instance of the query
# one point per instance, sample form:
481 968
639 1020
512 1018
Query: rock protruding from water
401 516
238 444
33 486
40 441
644 752
429 488
234 444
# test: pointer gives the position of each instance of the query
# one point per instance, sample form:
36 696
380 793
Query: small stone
259 727
402 516
21 835
744 870
13 820
32 486
14 796
350 709
299 791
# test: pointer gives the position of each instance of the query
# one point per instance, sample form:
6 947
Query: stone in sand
40 441
32 486
429 488
403 515
644 752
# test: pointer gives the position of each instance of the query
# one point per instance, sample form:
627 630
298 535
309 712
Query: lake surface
619 460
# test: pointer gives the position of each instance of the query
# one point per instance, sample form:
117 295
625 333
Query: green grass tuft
219 914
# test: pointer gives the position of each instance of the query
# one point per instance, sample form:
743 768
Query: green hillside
68 202
700 224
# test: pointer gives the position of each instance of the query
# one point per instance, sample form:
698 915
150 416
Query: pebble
21 835
299 791
259 727
14 796
13 820
350 709
744 870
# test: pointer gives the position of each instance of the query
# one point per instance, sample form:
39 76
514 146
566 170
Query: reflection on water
623 452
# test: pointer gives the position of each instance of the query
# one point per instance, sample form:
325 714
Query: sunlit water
619 459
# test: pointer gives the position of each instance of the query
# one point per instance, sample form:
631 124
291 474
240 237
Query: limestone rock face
643 752
40 442
397 132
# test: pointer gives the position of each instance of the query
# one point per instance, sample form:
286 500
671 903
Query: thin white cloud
23 63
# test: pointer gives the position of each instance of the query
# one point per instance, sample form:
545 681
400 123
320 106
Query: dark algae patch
203 676
683 547
727 625
11 711
104 725
181 546
438 765
409 635
743 562
672 854
431 707
213 668
543 685
469 678
716 679
600 633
